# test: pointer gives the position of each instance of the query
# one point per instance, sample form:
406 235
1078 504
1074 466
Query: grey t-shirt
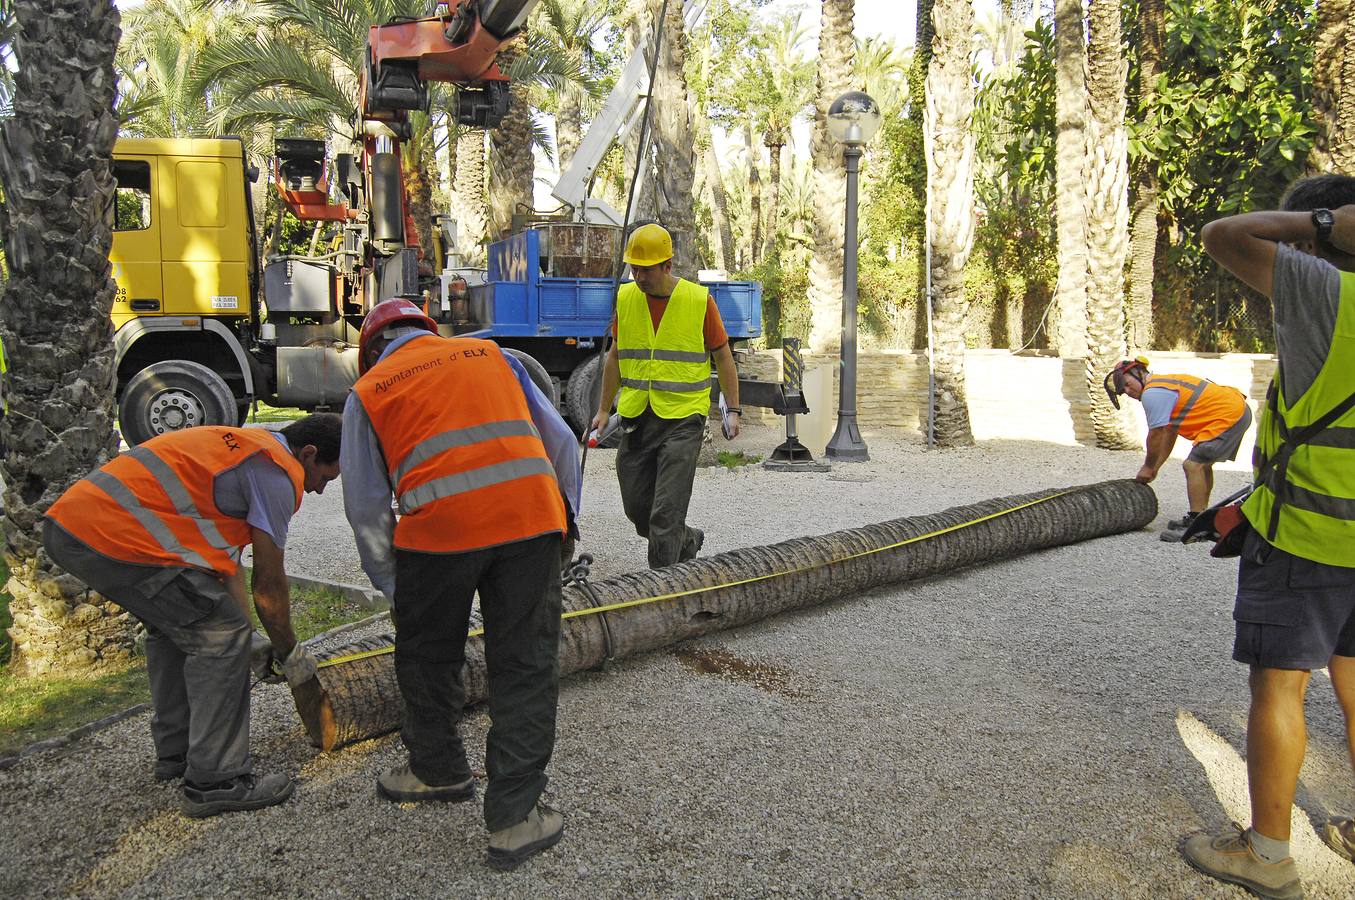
260 492
1305 296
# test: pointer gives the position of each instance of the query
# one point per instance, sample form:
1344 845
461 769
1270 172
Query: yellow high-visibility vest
667 370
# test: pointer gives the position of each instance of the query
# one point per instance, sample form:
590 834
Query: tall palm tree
1070 147
512 163
55 164
1143 214
1107 216
1334 88
837 51
950 205
673 143
470 195
571 26
786 78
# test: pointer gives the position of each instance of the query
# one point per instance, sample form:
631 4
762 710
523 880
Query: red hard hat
382 316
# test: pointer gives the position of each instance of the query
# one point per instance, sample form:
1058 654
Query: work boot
243 792
1227 855
695 538
1176 528
1339 833
403 786
168 768
510 847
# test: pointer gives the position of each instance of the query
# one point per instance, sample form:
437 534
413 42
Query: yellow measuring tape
643 601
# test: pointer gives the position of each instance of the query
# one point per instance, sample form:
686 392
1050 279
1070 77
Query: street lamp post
853 120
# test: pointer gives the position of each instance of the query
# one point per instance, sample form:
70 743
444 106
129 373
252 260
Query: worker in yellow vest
159 530
1214 416
666 329
1295 605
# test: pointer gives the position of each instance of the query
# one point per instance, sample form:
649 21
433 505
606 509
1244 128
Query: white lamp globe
854 118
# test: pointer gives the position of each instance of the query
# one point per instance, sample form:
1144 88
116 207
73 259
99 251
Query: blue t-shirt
1158 403
260 492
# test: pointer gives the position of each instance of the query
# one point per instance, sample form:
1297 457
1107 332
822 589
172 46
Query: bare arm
235 586
1245 244
271 597
611 383
1160 443
729 386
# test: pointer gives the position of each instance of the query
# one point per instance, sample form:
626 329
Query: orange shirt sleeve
714 327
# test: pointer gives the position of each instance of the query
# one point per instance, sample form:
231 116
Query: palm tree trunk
754 195
1107 218
55 164
1069 335
1143 215
512 166
950 203
719 206
468 201
568 129
356 697
674 145
419 184
837 53
774 145
1334 88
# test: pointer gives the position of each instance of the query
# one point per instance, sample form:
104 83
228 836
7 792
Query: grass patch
735 458
262 412
32 709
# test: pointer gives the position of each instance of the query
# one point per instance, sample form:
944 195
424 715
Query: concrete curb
371 599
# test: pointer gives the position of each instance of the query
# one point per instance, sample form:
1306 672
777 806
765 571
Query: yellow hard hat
649 245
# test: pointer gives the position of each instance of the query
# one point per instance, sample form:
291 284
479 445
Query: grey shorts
1291 612
1224 447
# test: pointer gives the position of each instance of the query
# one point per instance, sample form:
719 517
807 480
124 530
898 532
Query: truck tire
540 377
581 392
173 394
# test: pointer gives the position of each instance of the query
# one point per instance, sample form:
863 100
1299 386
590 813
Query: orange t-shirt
713 328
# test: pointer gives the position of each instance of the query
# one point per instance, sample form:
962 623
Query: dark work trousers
656 464
519 585
197 654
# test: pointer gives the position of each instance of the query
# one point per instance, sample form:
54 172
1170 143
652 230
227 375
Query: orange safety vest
1204 410
467 464
155 504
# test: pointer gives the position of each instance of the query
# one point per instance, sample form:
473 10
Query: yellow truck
196 342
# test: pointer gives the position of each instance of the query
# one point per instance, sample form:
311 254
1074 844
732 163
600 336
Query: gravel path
1043 727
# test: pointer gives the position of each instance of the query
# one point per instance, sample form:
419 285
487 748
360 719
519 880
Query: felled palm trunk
358 698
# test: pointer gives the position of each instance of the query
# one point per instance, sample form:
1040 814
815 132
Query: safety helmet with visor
385 316
1114 380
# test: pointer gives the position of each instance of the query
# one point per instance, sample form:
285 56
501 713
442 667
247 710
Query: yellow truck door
205 238
135 254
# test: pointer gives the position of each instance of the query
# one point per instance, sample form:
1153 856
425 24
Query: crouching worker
1214 417
481 467
159 530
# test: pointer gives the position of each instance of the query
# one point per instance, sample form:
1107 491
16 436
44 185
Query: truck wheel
173 394
581 392
540 377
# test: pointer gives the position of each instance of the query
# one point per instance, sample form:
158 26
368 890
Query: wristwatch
1323 221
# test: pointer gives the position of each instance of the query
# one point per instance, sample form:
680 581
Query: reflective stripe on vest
465 461
155 504
668 369
1304 501
1204 410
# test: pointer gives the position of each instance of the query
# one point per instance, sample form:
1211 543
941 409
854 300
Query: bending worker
481 466
666 329
159 531
1214 416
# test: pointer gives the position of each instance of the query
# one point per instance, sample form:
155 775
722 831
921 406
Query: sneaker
510 847
1227 855
403 786
243 792
168 768
1176 528
1339 834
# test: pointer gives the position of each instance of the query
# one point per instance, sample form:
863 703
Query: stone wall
1012 396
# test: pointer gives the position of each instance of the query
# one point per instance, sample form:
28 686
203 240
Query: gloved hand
260 656
299 666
